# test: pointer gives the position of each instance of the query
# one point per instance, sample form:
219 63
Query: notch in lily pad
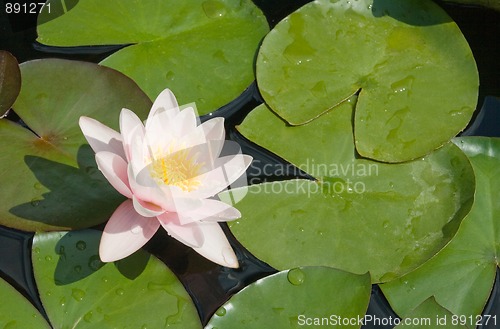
411 66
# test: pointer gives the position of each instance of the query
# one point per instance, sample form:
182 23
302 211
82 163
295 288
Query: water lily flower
170 169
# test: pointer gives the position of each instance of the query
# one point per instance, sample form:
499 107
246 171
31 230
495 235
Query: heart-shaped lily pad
48 173
16 312
461 276
317 297
77 290
360 215
10 81
415 73
203 50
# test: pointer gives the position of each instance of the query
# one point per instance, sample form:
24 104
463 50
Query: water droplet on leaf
77 294
214 8
81 245
221 311
296 276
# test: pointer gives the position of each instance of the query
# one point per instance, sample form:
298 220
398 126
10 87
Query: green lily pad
415 73
16 312
319 297
495 5
48 174
430 314
203 50
461 276
10 81
78 291
360 215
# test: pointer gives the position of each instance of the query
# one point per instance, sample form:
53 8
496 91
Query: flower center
178 169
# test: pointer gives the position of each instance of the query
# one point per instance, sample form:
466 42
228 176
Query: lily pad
48 173
320 297
461 276
16 312
78 291
10 81
414 71
203 50
401 213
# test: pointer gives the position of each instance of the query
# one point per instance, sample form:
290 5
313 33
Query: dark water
209 284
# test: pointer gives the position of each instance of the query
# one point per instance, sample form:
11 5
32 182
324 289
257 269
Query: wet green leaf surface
416 74
79 291
461 276
48 174
16 312
430 314
402 214
296 298
202 50
10 81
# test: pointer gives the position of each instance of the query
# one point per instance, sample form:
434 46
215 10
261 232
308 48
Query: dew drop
296 276
36 250
88 317
214 8
35 201
77 294
221 311
95 264
81 245
385 224
403 85
77 268
48 258
136 229
62 302
120 292
38 186
170 76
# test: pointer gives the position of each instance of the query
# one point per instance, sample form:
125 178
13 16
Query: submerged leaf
10 81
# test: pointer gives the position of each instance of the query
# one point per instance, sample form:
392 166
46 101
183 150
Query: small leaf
416 74
401 213
48 173
203 50
16 312
77 289
461 275
295 298
10 81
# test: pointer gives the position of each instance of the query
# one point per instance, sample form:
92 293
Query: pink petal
114 168
146 209
210 210
125 232
190 234
216 247
131 128
100 137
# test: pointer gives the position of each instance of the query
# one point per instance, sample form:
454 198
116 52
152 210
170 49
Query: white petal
146 209
114 168
214 129
210 210
165 100
216 247
185 122
125 232
191 234
101 137
131 128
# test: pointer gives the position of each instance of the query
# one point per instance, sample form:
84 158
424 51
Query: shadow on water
69 197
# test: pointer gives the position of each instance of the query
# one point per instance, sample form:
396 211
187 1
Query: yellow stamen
178 169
